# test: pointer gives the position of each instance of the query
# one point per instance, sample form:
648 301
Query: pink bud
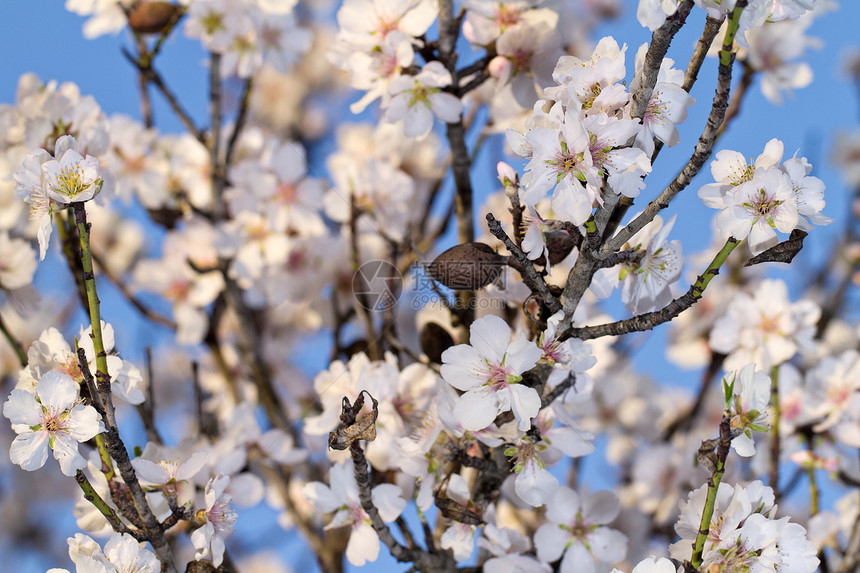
507 174
500 68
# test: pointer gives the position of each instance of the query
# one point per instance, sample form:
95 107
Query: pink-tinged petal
22 408
577 559
525 404
762 237
218 548
29 450
83 422
550 540
490 337
447 107
363 545
342 480
387 499
518 143
190 467
57 391
476 409
459 368
571 202
150 472
652 565
572 443
728 165
66 452
744 446
321 497
601 507
417 121
522 354
771 156
608 545
200 539
563 507
44 234
535 485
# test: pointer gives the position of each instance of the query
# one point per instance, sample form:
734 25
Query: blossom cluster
475 414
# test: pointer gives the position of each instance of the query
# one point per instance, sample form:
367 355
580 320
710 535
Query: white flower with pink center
218 519
758 209
489 370
342 498
576 531
51 418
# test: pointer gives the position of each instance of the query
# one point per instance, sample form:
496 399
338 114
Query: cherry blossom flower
568 357
122 554
166 472
71 178
758 208
808 192
833 393
652 13
765 329
489 370
533 483
747 395
652 564
52 418
576 531
218 519
17 262
341 497
459 537
730 169
29 183
667 107
646 280
415 99
733 505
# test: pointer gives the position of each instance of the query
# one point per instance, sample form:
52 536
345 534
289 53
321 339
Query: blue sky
43 38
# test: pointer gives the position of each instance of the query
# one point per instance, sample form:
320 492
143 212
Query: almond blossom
576 531
764 328
667 106
747 395
646 280
758 208
416 99
489 370
52 418
341 497
218 519
122 554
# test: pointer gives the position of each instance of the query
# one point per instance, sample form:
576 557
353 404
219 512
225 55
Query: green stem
13 342
713 485
102 376
92 496
814 504
773 480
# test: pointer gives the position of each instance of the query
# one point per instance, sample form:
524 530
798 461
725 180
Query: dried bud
470 266
152 17
434 341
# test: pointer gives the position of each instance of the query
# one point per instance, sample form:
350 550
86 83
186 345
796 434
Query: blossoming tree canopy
266 335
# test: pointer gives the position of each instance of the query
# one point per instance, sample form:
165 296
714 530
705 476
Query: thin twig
649 320
155 78
526 265
123 288
703 148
